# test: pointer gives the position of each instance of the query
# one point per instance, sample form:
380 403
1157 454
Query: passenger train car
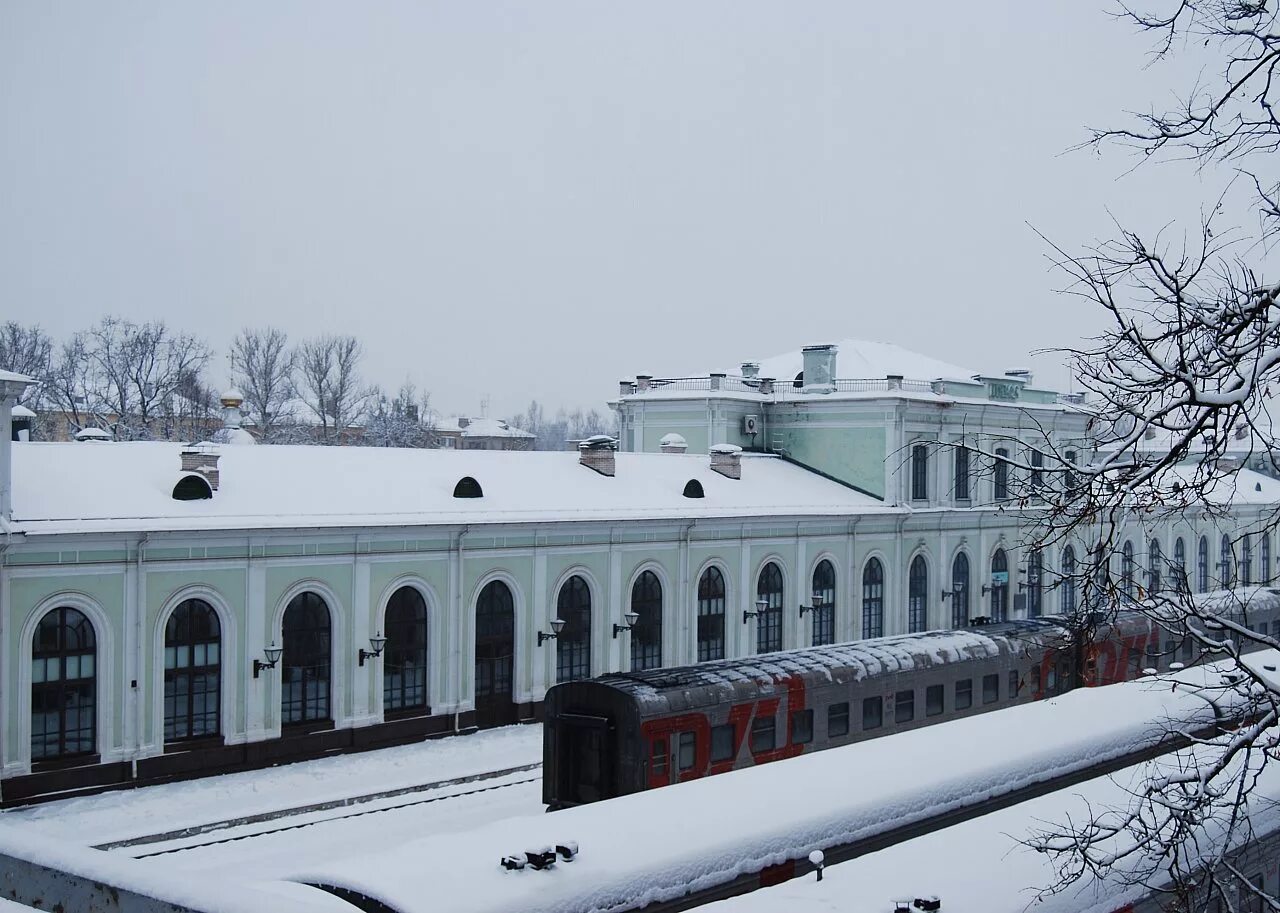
623 733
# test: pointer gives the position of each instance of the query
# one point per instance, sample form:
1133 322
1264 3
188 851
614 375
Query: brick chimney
202 462
673 443
726 459
596 453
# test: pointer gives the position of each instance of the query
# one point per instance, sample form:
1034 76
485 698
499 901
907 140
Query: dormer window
192 488
467 487
693 489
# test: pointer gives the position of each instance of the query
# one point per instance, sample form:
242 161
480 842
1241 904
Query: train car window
688 751
1188 650
658 757
838 720
1013 684
1051 679
801 727
964 694
904 706
1135 664
722 742
990 688
933 700
872 712
763 734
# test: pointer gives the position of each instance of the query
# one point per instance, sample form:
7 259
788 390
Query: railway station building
172 610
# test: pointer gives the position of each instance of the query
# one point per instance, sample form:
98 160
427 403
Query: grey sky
537 199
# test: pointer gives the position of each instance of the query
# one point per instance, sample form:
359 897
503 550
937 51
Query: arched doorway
495 656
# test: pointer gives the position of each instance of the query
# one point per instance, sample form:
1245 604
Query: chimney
717 381
642 382
626 388
750 369
726 459
766 385
894 381
596 452
11 387
1022 374
819 368
203 462
673 443
463 421
23 418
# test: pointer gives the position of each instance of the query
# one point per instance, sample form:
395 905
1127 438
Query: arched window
1246 560
1155 577
1264 559
711 615
693 489
769 607
824 603
573 646
192 488
1202 565
64 700
1035 584
1180 565
1225 562
999 586
192 672
1068 580
873 599
918 595
960 591
646 636
1128 585
305 667
919 472
468 487
404 658
495 655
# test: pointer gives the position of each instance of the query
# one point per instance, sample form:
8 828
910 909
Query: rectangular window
1069 474
658 757
872 712
962 474
904 706
919 472
763 734
1037 467
933 700
722 742
801 727
1013 684
990 688
688 751
964 694
1001 474
837 720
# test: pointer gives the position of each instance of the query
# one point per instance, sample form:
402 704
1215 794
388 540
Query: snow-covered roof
21 411
1242 486
863 358
480 427
15 377
65 488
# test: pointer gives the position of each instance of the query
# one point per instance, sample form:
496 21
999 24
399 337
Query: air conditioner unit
751 424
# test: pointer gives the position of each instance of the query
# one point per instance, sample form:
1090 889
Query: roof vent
193 487
92 435
204 462
693 489
468 487
596 452
750 369
726 459
673 443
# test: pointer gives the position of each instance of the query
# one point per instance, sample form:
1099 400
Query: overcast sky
535 200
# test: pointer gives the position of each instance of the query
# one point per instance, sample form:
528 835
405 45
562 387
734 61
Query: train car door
585 759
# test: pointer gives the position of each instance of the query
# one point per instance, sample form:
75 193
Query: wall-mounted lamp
273 656
557 625
956 590
761 606
630 618
376 643
815 604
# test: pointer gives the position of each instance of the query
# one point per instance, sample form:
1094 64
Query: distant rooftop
479 427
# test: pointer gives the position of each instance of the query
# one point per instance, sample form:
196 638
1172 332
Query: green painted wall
853 455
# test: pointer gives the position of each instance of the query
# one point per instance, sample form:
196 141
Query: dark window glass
1225 563
801 727
960 591
904 706
873 599
305 672
872 712
769 606
1246 560
192 672
933 700
658 756
1180 565
1128 585
918 596
1202 565
964 694
1068 580
1275 629
1155 575
1188 651
1037 469
1134 665
711 615
722 742
404 664
763 734
573 646
64 702
962 474
999 586
824 609
1069 474
1014 687
838 720
1264 559
919 472
646 636
990 688
495 644
687 753
1035 584
1001 475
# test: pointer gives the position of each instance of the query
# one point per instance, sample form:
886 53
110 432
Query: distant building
463 433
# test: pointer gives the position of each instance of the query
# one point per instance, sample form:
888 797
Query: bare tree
262 367
27 350
558 433
400 421
329 384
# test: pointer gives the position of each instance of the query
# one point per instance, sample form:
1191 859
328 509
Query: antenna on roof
484 406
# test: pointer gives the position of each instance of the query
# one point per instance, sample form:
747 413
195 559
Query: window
658 757
838 720
467 487
1246 560
919 472
801 727
646 635
769 607
990 688
824 609
693 489
918 596
495 650
763 734
1188 651
964 694
305 672
1014 687
573 646
1154 572
1037 470
711 615
962 474
723 740
1225 562
686 753
1180 565
933 700
192 672
1202 565
1001 474
1128 585
872 712
904 706
960 591
64 699
404 664
1069 479
192 488
873 599
1068 580
999 586
1134 665
1264 559
1035 584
